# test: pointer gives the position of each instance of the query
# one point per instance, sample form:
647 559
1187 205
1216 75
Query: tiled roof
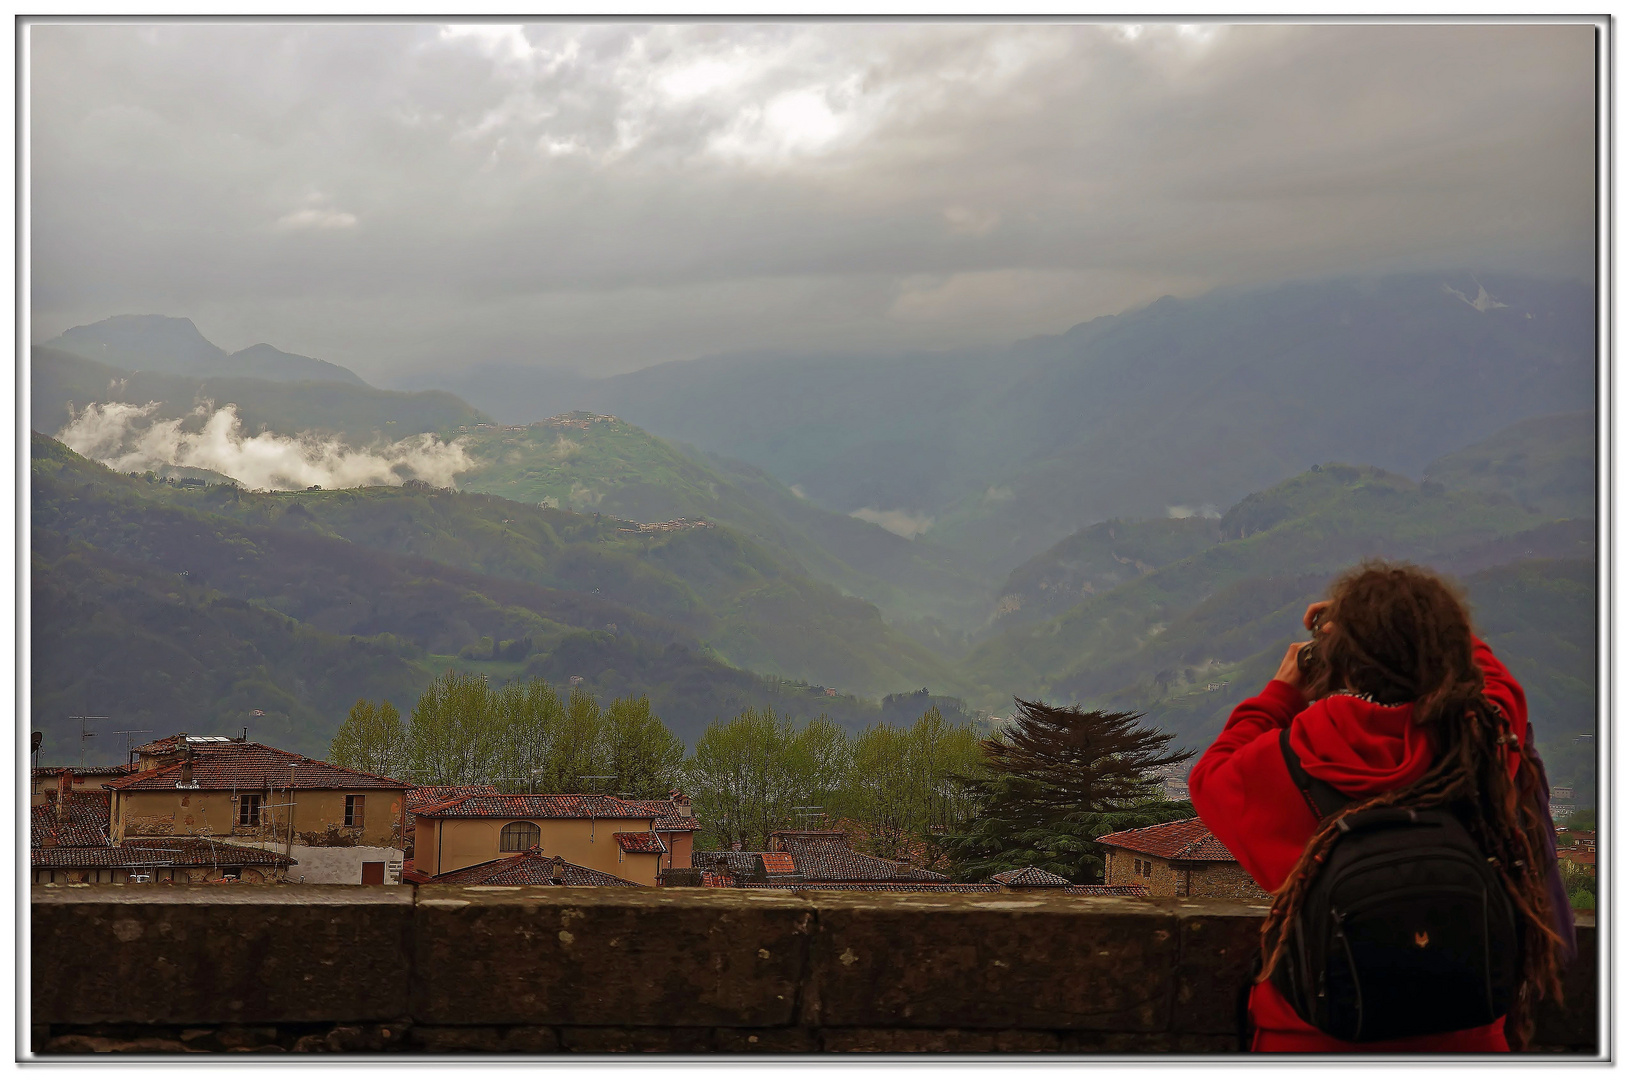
827 857
86 826
778 862
420 797
535 806
1179 841
1107 890
668 819
171 743
42 771
736 863
529 868
232 765
643 842
1029 877
159 851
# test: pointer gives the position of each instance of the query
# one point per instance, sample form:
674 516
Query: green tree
372 739
529 716
1054 781
910 787
645 758
755 773
454 736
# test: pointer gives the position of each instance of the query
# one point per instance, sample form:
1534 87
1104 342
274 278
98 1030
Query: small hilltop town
228 811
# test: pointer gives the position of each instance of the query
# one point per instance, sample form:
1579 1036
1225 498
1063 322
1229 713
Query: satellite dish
34 742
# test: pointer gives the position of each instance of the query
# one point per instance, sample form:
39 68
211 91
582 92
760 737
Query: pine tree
1057 779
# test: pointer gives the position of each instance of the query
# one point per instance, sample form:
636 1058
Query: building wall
253 875
318 816
1216 880
1224 881
587 842
323 865
680 847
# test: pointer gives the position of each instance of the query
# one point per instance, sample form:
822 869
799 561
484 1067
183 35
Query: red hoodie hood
1360 747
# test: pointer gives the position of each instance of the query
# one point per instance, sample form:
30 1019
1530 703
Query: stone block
1572 1026
637 1040
485 1040
991 961
205 954
793 1040
1219 942
907 1041
608 957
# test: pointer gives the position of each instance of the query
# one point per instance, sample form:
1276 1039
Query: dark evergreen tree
1056 779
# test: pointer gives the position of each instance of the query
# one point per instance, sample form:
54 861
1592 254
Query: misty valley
1131 515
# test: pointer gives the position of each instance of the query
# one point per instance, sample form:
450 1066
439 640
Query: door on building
373 873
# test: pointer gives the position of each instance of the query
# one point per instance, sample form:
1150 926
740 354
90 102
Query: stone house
45 778
599 832
1177 858
338 825
70 842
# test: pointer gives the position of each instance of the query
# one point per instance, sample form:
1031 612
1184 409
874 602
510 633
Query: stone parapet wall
536 970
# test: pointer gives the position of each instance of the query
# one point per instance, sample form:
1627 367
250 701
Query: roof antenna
85 733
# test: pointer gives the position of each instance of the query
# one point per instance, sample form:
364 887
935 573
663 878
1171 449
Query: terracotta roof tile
826 857
529 868
1030 877
159 851
535 806
1188 840
217 766
668 819
42 771
420 797
778 862
87 824
642 842
1107 890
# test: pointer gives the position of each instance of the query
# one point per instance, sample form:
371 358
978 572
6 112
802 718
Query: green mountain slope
358 412
447 571
602 464
1186 641
1546 463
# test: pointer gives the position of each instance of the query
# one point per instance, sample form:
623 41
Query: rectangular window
1147 869
248 810
353 809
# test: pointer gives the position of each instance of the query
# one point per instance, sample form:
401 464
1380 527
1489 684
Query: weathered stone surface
637 1040
772 974
614 957
1219 940
1570 1027
991 961
794 1040
206 954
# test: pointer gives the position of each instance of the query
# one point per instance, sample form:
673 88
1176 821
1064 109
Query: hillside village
228 811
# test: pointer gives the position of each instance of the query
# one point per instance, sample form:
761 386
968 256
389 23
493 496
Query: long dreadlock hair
1398 633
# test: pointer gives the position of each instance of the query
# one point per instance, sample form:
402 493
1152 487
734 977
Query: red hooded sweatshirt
1242 791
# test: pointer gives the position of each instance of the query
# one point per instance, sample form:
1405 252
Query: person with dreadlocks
1403 706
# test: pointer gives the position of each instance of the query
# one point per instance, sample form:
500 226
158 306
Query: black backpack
1405 929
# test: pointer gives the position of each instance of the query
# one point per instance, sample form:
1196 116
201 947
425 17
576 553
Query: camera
1310 658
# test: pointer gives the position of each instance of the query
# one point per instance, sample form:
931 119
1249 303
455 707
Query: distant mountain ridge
1180 405
174 346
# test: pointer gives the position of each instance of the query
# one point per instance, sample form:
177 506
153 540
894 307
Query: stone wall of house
1224 881
541 970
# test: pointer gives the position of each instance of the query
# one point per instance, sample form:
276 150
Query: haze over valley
846 371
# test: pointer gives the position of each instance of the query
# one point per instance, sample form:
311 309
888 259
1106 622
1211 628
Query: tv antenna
85 733
127 732
584 776
808 814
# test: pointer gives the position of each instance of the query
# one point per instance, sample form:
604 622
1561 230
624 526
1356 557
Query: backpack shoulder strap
1322 797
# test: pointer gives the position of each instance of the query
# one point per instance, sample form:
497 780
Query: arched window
520 836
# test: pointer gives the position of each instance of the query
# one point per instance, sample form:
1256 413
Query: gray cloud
398 197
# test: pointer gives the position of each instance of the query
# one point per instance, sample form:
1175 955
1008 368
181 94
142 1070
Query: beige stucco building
598 832
338 825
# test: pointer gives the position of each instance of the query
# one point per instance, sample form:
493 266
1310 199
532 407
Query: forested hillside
429 574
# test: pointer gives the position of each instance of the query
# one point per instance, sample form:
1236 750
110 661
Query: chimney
736 846
186 766
556 873
681 802
64 790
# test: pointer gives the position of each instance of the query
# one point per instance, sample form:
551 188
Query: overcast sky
400 198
